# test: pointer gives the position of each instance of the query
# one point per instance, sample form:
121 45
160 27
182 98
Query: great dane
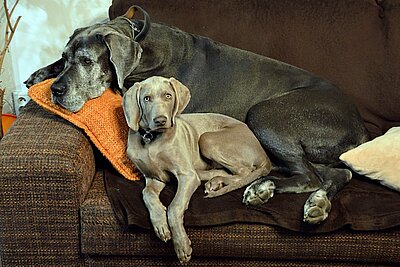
303 121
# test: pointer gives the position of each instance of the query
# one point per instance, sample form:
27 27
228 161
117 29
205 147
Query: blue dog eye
146 98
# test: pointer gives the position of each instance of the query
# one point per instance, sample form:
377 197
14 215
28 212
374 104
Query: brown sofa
54 209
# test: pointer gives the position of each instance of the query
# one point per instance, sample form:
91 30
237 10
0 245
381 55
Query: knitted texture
103 121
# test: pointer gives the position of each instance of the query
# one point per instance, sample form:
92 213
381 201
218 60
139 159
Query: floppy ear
125 55
182 96
131 105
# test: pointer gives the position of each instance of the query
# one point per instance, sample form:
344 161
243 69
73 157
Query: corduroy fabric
44 177
103 121
103 236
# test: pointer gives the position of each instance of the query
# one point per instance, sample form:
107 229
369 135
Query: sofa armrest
46 168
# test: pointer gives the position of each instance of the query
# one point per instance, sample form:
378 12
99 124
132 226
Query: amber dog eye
168 96
86 61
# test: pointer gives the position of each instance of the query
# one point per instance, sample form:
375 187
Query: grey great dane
303 121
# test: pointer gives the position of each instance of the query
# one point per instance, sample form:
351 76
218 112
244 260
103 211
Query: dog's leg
50 71
244 159
322 127
301 179
158 215
187 185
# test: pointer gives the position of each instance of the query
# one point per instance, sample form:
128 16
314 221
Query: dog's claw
317 207
259 192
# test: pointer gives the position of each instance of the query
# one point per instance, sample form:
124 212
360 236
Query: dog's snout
58 89
160 120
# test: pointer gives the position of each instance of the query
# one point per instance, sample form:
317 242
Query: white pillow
378 159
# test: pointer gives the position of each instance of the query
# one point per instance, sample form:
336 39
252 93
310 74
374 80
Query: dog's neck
156 57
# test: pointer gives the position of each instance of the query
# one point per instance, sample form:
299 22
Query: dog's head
95 56
153 103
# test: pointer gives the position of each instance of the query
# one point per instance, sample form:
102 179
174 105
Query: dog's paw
214 184
259 192
36 77
162 231
183 249
317 207
160 226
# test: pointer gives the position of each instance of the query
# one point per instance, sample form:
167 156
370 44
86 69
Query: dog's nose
58 89
160 120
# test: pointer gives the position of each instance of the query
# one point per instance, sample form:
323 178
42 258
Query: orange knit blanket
103 121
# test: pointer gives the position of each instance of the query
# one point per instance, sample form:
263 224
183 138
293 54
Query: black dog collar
148 136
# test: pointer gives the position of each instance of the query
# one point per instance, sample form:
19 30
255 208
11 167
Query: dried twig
8 37
7 40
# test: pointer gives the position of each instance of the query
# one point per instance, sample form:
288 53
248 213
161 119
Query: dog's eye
86 61
146 98
168 96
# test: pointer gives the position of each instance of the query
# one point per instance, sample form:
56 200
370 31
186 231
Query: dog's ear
182 96
131 105
125 55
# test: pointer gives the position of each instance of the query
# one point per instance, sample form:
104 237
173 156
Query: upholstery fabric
46 167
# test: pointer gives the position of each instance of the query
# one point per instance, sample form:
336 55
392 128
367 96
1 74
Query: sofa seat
102 236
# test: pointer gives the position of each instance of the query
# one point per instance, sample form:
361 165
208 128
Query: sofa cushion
360 205
102 235
378 159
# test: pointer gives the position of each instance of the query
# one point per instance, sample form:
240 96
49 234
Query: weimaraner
303 121
191 147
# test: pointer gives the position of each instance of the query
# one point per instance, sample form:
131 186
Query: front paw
258 192
161 227
36 77
317 207
162 231
183 248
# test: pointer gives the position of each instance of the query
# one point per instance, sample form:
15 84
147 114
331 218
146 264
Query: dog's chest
149 159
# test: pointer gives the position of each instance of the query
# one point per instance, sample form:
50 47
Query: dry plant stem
8 37
7 40
1 108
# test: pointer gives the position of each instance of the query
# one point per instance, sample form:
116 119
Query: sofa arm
46 168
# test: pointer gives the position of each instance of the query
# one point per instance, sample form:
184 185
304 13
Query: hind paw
259 192
317 207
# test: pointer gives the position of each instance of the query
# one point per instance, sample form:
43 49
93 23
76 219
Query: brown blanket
362 205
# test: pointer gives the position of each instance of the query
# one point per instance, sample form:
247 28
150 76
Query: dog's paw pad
317 207
259 192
